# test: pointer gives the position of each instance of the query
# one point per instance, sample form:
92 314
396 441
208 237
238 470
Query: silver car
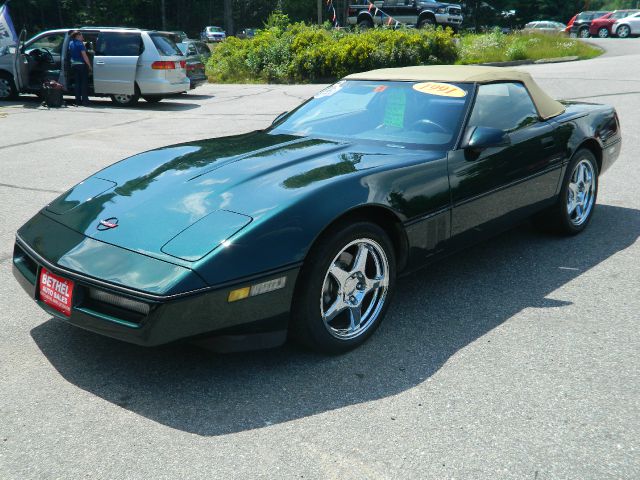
127 64
627 27
544 26
213 34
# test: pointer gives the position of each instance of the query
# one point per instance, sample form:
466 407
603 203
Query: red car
601 27
570 24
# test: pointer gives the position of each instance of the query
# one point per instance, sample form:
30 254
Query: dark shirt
76 47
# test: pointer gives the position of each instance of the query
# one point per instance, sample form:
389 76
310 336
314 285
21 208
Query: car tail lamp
183 64
118 301
163 65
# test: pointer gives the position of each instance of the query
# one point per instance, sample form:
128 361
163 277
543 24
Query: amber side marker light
257 289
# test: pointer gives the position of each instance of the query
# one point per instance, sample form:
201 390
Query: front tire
344 288
427 22
603 32
573 210
624 31
584 33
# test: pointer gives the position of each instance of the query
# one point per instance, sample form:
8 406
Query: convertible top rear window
414 113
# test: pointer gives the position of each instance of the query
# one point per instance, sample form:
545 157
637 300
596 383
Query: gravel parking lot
517 359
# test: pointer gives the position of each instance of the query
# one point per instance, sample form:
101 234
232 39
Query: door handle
100 63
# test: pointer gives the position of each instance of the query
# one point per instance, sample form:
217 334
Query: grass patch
497 47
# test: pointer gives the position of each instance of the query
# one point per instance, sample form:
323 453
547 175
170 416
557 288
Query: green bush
284 53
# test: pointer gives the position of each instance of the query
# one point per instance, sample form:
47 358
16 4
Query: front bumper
446 19
200 314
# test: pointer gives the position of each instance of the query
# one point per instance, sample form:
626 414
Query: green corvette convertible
301 230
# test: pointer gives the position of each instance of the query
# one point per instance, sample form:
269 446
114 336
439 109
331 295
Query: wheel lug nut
353 299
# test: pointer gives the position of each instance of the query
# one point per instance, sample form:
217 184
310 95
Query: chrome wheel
623 31
354 289
581 192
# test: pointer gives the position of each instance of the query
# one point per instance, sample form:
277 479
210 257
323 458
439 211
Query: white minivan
128 63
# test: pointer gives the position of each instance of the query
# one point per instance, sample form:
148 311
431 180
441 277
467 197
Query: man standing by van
81 66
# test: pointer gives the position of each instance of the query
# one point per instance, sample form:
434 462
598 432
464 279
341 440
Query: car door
502 184
634 24
116 62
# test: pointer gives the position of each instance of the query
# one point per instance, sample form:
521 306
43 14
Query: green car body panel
197 220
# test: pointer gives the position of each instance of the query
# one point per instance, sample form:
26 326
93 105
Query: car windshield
399 113
214 29
165 45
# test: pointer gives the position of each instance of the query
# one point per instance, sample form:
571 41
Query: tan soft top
547 106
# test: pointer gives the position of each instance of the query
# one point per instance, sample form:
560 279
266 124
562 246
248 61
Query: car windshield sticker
394 111
380 88
331 90
440 89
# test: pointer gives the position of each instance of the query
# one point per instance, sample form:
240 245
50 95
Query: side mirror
278 118
481 138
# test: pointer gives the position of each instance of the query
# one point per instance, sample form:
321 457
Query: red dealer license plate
55 291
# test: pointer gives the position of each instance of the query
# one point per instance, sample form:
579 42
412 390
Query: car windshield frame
392 131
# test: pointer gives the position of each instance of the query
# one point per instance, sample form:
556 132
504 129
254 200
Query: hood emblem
108 224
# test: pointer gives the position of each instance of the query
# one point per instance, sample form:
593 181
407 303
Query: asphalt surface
516 359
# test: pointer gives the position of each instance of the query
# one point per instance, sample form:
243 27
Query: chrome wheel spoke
337 307
360 260
339 274
355 318
375 283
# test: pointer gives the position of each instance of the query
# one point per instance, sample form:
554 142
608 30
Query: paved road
517 359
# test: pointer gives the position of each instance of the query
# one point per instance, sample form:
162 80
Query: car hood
148 202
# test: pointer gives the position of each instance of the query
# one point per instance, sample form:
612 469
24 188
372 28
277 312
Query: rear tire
574 207
8 89
584 33
603 32
344 288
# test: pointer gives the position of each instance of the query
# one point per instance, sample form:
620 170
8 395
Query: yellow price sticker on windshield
440 89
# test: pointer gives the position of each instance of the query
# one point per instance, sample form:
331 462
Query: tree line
192 15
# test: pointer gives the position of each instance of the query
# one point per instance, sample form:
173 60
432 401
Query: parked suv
601 27
581 24
213 34
128 63
420 13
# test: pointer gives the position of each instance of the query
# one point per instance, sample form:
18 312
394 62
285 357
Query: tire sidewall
307 323
566 224
13 93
